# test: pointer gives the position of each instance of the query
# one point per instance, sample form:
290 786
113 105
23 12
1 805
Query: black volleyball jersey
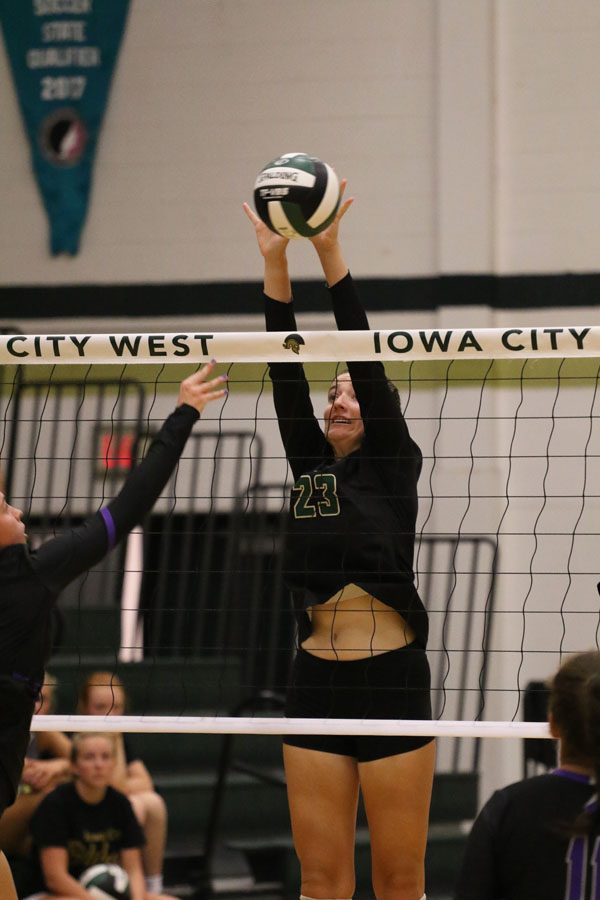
352 520
520 846
583 859
30 582
91 833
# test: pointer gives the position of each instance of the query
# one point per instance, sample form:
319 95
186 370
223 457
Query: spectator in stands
538 839
103 694
47 764
87 822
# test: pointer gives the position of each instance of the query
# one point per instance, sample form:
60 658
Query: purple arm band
111 531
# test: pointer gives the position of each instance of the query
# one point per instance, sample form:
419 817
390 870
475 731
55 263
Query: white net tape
309 346
272 725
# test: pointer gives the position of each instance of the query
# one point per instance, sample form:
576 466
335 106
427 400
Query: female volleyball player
362 626
539 839
31 580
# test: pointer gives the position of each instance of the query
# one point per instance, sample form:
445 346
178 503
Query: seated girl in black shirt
85 823
103 694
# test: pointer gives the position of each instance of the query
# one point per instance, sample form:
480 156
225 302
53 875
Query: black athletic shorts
391 685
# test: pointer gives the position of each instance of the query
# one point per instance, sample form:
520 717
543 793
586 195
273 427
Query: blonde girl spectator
87 822
103 694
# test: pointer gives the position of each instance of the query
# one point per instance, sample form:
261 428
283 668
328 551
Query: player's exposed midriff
354 625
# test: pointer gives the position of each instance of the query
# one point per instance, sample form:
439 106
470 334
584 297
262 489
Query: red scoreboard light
115 452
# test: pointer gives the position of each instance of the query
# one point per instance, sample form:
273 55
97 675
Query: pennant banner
580 342
62 54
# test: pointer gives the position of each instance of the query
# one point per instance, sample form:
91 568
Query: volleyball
107 882
297 195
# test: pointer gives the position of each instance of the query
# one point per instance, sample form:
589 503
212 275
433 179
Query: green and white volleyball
297 195
106 882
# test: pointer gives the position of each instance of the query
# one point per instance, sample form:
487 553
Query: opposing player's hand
199 389
271 245
327 240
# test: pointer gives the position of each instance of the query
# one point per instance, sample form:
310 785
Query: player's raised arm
300 431
385 428
62 559
328 246
198 389
272 248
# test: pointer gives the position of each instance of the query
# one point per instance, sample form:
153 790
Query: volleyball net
192 610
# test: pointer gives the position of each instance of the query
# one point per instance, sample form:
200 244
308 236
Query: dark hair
574 704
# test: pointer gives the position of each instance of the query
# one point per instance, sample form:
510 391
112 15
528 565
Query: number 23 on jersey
315 495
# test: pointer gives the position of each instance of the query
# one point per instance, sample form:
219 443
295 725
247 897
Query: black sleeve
62 559
478 879
386 432
301 434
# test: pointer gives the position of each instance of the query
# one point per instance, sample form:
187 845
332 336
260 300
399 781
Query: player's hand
272 246
197 390
327 240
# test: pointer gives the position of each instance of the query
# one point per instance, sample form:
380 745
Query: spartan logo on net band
293 342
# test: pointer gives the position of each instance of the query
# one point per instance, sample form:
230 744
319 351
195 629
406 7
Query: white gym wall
469 130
